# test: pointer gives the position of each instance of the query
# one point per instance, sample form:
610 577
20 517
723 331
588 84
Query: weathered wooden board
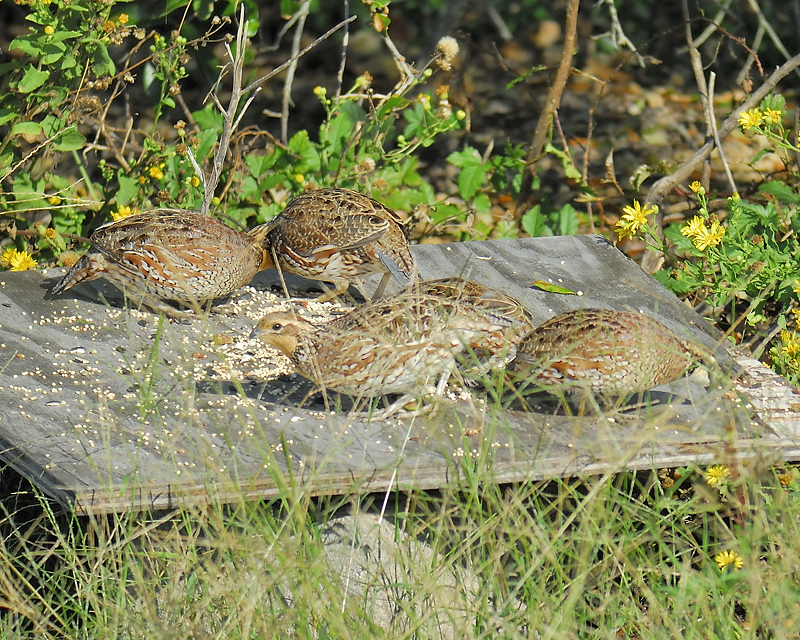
104 408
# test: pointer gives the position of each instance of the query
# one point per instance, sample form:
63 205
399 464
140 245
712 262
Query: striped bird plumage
170 255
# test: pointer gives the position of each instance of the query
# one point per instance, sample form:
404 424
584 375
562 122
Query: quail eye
277 326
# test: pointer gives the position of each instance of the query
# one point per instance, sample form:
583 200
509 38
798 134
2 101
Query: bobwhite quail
339 236
170 255
605 353
399 344
361 356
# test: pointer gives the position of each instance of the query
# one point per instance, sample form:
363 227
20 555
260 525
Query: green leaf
259 164
783 192
128 188
446 212
208 138
69 140
473 171
567 220
208 118
308 157
27 129
566 163
535 224
32 80
27 44
102 63
335 131
552 288
249 188
271 181
482 203
53 52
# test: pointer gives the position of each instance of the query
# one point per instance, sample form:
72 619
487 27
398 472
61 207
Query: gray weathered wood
100 429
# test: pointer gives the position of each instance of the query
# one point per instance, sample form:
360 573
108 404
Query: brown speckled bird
400 344
363 360
170 255
605 353
339 236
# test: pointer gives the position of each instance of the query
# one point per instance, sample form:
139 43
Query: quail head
605 353
339 236
170 255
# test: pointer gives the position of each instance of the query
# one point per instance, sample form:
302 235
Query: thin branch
768 28
551 104
305 50
286 99
236 65
713 120
751 57
345 44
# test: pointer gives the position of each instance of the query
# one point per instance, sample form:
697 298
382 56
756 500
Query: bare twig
713 120
286 99
762 21
32 233
300 54
551 104
345 44
230 119
751 58
711 28
618 37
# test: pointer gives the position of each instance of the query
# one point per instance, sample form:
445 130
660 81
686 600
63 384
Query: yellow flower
123 212
123 18
5 259
299 178
694 227
17 260
68 259
108 26
717 474
791 344
194 181
751 118
728 557
49 31
773 116
50 233
697 188
633 218
709 237
156 173
54 200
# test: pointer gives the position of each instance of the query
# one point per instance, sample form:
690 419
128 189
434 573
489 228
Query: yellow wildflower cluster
755 117
702 236
14 260
634 218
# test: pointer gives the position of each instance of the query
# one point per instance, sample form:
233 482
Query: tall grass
622 555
